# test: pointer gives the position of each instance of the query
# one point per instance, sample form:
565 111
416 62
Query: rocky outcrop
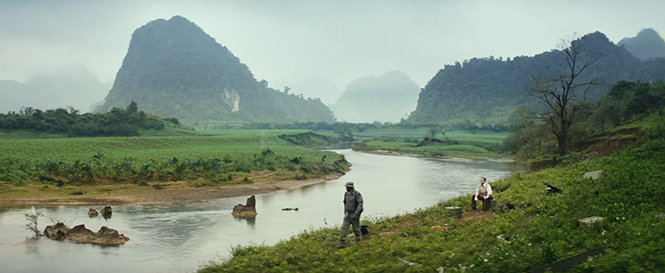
80 234
246 211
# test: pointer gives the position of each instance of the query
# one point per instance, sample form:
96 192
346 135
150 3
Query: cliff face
174 69
487 90
647 44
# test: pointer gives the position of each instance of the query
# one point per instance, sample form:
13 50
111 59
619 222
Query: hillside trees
564 89
117 122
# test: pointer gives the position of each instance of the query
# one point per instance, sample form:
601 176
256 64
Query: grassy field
545 230
208 158
454 143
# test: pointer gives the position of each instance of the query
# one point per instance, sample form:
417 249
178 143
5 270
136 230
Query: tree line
627 101
117 122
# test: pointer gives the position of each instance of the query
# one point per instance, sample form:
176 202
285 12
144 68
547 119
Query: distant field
420 133
159 158
457 143
431 150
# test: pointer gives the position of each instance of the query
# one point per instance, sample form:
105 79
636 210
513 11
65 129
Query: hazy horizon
290 42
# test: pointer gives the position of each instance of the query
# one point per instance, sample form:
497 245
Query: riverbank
174 192
536 229
456 158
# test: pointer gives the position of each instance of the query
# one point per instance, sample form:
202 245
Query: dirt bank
176 192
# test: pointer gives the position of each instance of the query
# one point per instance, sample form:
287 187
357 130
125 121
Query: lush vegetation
611 119
424 142
220 158
68 122
629 197
488 90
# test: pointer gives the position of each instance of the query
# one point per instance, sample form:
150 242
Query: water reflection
251 222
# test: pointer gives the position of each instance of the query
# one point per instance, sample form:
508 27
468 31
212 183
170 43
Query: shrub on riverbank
629 197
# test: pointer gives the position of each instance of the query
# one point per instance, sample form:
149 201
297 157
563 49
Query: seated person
483 192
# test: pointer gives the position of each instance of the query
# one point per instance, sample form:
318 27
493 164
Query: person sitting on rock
483 192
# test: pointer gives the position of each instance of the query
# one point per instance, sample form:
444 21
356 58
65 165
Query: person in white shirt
484 193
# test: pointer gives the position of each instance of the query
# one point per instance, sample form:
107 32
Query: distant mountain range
647 44
387 98
487 90
76 87
174 69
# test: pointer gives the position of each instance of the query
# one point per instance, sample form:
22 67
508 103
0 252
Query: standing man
483 192
353 207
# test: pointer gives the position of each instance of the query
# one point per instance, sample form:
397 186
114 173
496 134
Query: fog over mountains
174 69
387 98
77 87
487 90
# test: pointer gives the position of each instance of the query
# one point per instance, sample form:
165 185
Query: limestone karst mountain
487 90
387 98
646 45
174 69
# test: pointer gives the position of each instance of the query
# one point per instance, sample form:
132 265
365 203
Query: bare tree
564 90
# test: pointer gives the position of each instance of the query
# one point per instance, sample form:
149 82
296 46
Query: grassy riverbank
33 168
454 143
630 197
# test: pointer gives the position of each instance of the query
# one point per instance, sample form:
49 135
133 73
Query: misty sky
288 41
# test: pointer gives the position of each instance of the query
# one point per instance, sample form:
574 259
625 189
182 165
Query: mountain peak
647 44
174 69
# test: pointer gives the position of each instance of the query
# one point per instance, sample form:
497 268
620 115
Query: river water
182 238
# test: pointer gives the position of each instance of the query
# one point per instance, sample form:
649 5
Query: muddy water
181 238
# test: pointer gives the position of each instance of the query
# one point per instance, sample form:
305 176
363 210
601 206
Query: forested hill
387 98
174 69
487 90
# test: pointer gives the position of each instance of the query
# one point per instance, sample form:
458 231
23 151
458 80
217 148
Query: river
183 237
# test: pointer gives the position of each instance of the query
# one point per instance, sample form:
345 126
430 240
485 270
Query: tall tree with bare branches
564 89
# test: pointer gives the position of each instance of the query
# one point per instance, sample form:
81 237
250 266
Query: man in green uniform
353 207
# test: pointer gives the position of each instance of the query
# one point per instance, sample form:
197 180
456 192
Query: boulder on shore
80 234
246 211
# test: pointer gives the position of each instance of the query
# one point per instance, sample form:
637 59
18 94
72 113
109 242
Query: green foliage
487 90
638 103
141 159
117 122
629 197
454 143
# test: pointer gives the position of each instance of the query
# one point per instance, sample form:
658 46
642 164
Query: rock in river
246 211
80 234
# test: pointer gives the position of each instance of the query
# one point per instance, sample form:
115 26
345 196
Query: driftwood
568 263
552 189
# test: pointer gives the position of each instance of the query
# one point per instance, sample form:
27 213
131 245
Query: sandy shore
170 194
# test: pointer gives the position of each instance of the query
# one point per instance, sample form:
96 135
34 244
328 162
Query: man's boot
342 244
